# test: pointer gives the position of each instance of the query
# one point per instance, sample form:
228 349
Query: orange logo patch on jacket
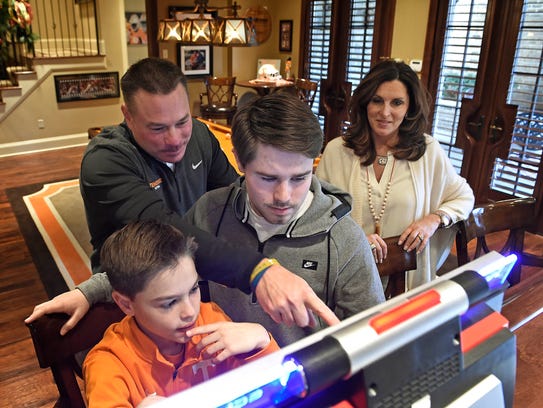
155 185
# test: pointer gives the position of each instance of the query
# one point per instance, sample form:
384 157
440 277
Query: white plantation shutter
360 41
518 173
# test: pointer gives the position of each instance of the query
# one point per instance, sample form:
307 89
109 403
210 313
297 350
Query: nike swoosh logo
308 264
195 166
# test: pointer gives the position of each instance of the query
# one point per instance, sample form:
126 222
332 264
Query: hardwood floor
24 384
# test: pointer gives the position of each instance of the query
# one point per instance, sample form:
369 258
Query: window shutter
360 40
320 22
518 173
459 65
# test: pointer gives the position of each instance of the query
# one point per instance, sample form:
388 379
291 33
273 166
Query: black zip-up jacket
120 183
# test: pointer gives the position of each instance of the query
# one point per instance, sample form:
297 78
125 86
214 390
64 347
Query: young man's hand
289 299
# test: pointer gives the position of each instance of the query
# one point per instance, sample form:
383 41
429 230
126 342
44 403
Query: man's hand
73 303
289 299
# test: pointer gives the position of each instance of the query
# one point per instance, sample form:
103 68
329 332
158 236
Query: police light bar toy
443 344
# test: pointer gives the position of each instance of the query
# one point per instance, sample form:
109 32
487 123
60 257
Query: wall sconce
200 26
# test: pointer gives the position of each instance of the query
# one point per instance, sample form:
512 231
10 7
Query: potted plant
4 28
15 31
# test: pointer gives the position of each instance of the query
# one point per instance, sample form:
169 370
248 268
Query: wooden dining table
264 87
224 136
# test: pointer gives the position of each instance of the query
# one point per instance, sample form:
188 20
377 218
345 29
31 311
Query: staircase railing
58 29
67 28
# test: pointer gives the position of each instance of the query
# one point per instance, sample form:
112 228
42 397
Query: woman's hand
226 339
378 247
418 233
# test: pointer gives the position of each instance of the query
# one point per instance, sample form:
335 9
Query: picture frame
196 61
136 28
87 86
285 35
203 53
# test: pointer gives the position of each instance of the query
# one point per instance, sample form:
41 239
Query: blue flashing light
290 385
497 272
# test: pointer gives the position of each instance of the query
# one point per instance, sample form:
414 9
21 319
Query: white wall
410 25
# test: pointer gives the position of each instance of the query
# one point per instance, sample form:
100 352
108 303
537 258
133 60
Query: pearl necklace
377 218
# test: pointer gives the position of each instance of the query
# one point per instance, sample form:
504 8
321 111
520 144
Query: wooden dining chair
220 99
395 266
513 215
59 352
306 90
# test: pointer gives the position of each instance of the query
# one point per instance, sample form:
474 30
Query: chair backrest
220 91
397 262
306 90
59 352
515 215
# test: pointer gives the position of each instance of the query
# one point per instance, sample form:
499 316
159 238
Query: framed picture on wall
195 60
136 28
285 35
79 87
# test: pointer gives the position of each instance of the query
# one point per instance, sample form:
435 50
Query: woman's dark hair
411 145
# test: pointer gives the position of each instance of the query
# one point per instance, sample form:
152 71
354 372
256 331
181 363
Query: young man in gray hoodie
282 210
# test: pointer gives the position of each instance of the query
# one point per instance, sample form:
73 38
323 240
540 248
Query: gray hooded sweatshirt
324 246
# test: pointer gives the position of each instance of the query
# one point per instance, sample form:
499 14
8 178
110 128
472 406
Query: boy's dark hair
135 254
154 75
281 120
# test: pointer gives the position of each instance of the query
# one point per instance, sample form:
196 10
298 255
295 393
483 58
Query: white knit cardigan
436 184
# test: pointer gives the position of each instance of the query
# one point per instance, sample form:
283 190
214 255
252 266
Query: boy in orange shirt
168 341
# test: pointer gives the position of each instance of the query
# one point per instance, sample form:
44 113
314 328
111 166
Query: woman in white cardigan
401 180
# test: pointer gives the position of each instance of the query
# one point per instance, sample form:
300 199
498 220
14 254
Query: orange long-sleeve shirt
126 365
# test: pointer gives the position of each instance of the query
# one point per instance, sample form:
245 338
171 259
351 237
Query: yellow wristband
261 267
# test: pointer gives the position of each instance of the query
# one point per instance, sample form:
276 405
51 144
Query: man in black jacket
156 165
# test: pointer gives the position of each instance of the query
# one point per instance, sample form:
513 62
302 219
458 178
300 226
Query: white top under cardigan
435 186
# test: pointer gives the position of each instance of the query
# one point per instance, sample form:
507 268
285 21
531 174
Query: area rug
52 220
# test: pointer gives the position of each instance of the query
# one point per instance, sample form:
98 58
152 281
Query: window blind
360 42
459 65
518 173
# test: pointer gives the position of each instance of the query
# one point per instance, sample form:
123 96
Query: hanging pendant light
197 30
169 30
229 31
